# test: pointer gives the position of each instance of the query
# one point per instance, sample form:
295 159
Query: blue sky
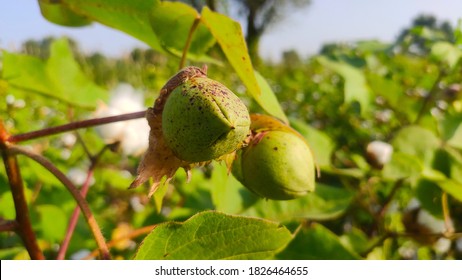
304 30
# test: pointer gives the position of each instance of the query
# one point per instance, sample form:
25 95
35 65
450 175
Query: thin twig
131 235
94 227
24 226
75 215
446 214
390 197
189 40
73 126
74 219
7 225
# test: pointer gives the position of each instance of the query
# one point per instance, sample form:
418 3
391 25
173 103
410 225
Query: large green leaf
325 203
57 13
417 141
131 17
179 18
320 143
356 87
213 235
59 77
316 243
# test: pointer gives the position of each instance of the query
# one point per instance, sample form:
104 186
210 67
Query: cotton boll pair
132 135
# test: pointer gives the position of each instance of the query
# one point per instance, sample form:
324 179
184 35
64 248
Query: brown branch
24 226
95 229
73 126
189 40
75 215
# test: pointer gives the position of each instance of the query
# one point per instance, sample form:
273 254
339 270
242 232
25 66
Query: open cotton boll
135 139
428 220
132 135
112 132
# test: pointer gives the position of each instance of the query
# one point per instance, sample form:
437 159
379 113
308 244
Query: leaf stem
95 229
189 40
446 214
73 126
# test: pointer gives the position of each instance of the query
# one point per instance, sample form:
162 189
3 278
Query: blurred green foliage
408 94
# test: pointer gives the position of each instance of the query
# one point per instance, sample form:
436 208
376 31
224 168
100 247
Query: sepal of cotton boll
379 153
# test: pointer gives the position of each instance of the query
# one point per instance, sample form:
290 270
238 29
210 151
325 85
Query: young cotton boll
133 135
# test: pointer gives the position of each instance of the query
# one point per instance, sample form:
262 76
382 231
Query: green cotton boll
277 165
203 120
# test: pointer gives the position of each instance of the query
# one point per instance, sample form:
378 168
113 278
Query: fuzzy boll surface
203 120
279 166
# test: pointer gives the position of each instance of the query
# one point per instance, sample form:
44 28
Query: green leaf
316 243
55 12
429 195
228 34
59 78
320 143
228 194
356 88
450 127
417 141
458 33
53 222
131 17
268 100
447 53
68 79
450 186
402 166
324 204
213 235
179 18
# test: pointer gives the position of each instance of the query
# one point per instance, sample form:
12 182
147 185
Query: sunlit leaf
179 18
447 53
131 17
268 101
55 12
213 235
59 77
316 243
229 36
356 88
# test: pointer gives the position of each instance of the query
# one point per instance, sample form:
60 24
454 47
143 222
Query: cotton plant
132 135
